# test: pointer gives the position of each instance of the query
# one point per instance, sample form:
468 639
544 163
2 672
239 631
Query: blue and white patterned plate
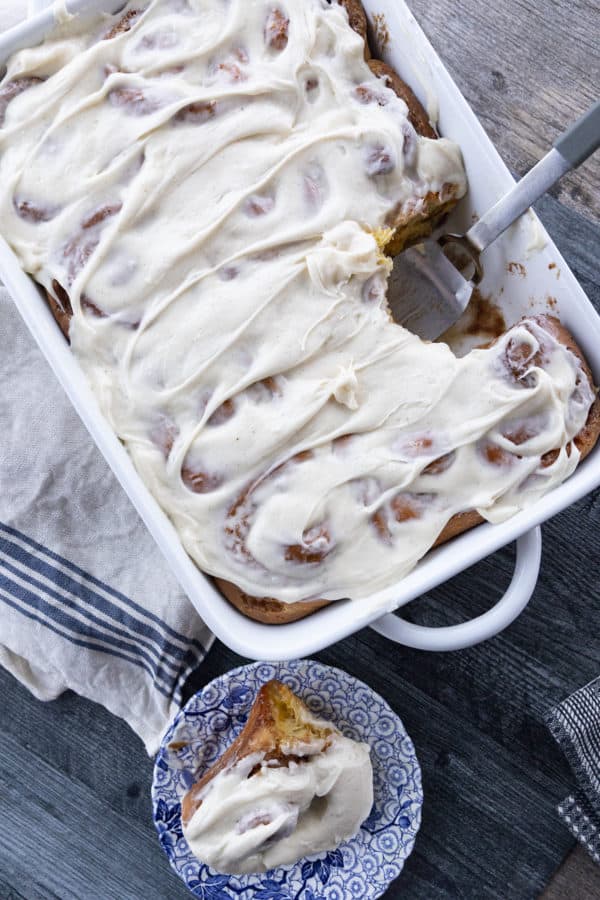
360 869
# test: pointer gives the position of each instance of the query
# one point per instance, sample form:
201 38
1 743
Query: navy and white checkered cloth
86 600
575 724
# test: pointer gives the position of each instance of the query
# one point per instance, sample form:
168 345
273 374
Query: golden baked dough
272 612
277 717
411 220
290 785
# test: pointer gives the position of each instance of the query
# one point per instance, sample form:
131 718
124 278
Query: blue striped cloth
575 724
87 602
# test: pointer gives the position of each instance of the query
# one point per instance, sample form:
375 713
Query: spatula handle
581 139
569 151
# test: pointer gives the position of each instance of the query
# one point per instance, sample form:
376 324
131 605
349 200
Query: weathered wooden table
74 782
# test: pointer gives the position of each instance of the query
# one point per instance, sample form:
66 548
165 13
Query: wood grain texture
528 70
75 818
577 879
492 774
75 805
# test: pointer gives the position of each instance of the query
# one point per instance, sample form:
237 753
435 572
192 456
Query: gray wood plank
77 780
64 734
528 69
7 892
66 843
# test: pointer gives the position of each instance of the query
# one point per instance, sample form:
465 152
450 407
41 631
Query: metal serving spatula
428 292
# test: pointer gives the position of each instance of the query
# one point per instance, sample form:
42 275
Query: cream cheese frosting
210 187
279 814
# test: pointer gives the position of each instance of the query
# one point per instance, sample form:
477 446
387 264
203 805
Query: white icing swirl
280 814
204 185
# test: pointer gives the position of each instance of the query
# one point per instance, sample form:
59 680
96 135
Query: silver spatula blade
426 293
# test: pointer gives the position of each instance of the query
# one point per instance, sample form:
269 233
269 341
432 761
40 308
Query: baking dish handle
457 637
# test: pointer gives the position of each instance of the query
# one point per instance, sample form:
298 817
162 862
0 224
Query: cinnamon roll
290 785
209 195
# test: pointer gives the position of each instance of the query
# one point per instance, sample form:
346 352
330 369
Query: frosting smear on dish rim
211 187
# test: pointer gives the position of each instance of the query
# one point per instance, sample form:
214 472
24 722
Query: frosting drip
210 183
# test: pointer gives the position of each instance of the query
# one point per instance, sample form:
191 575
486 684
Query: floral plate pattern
359 869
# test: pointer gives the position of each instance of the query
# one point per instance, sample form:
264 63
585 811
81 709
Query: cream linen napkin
86 600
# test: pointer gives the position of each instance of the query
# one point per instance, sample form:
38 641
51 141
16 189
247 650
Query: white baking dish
526 243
